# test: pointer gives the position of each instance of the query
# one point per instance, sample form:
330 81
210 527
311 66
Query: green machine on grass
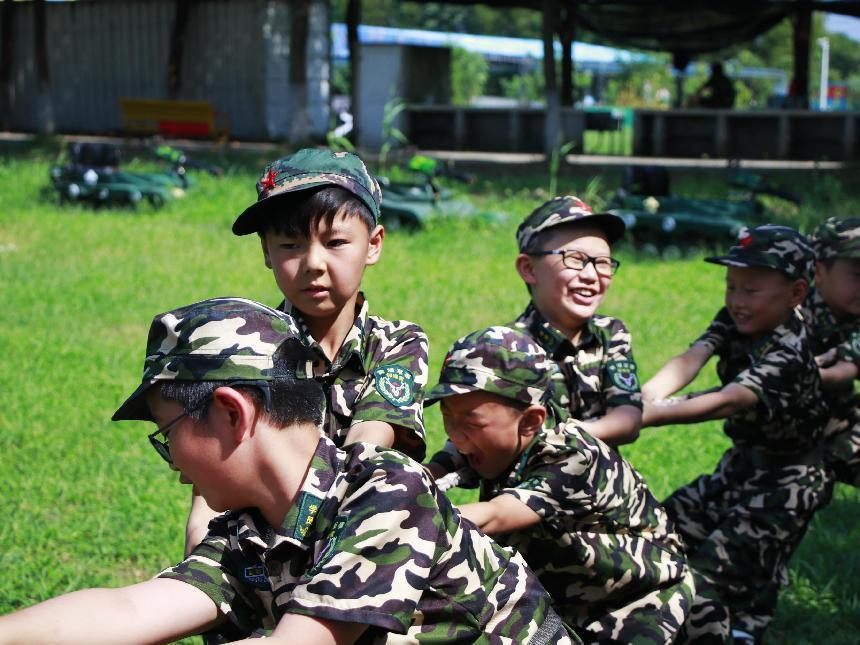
91 173
413 202
659 222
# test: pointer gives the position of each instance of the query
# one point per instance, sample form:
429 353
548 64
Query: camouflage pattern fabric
221 339
596 374
379 374
310 168
499 360
519 370
565 210
841 341
780 369
585 381
769 245
741 525
371 540
836 238
604 548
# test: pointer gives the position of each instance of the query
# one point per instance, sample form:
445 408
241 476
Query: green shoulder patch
396 384
308 505
623 375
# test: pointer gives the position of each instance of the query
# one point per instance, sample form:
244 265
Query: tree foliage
469 72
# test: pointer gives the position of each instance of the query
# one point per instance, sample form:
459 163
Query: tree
469 72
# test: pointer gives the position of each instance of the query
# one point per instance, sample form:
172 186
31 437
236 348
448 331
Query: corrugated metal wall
236 56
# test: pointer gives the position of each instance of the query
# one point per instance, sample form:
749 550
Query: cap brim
444 390
252 219
612 225
135 408
734 261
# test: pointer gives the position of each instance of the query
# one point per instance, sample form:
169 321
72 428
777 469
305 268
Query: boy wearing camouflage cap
564 259
322 545
579 514
317 216
831 313
742 523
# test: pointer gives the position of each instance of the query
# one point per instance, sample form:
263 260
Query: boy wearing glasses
566 265
322 545
565 262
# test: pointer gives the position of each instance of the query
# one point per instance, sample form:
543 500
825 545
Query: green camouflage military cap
222 339
565 210
499 360
770 245
310 168
836 238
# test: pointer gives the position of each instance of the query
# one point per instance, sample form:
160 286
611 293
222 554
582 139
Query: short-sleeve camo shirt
371 540
603 548
379 374
596 374
825 334
780 369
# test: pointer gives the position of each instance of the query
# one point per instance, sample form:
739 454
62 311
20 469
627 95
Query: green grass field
87 502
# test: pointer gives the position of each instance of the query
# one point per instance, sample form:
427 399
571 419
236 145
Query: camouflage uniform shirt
371 540
826 334
841 342
603 548
596 374
379 374
780 369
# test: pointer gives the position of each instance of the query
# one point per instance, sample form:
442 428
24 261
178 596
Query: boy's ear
799 289
532 421
237 411
525 268
374 247
265 245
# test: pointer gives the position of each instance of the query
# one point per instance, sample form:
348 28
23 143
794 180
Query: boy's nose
314 258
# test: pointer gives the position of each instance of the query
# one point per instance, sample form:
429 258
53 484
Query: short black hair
294 214
293 400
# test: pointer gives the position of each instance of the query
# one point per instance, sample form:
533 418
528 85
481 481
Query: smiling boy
579 514
831 313
317 216
742 523
322 545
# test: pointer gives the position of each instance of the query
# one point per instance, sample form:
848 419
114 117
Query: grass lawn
87 502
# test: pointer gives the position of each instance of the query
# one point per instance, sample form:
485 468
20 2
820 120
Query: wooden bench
172 118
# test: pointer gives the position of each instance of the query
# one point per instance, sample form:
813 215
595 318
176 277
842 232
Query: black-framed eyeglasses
162 447
576 260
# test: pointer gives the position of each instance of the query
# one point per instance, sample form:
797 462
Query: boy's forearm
378 433
709 406
500 515
838 374
678 372
617 427
153 611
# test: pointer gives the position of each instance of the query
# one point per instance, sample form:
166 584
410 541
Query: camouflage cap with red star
306 169
566 210
773 246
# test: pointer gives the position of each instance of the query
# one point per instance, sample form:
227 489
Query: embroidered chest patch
396 384
623 375
256 576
